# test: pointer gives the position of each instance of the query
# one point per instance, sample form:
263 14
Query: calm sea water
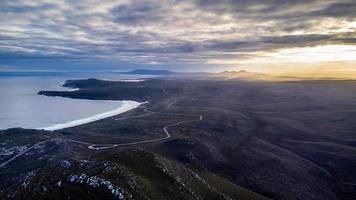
20 106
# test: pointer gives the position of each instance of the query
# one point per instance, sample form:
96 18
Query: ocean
20 106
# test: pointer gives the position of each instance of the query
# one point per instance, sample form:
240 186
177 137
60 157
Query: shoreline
67 89
127 105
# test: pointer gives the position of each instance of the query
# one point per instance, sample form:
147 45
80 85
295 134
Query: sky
275 36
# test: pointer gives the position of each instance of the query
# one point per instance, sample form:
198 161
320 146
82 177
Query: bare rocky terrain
228 139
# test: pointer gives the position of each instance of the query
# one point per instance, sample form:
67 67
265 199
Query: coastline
35 105
67 89
127 105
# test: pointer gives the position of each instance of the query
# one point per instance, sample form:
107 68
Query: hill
150 72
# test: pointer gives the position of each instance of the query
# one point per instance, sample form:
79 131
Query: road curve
165 130
110 146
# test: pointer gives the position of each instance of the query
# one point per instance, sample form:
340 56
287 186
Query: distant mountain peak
237 72
150 72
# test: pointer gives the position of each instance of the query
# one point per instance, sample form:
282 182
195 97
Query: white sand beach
126 106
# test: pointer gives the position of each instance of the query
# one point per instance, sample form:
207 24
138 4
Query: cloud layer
169 32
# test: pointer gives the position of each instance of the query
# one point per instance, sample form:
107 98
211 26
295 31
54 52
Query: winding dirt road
93 146
22 153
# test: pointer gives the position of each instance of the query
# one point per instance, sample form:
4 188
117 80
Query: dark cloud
13 8
137 13
347 9
281 8
170 31
274 43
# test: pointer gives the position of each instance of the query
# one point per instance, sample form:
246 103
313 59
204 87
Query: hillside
227 139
